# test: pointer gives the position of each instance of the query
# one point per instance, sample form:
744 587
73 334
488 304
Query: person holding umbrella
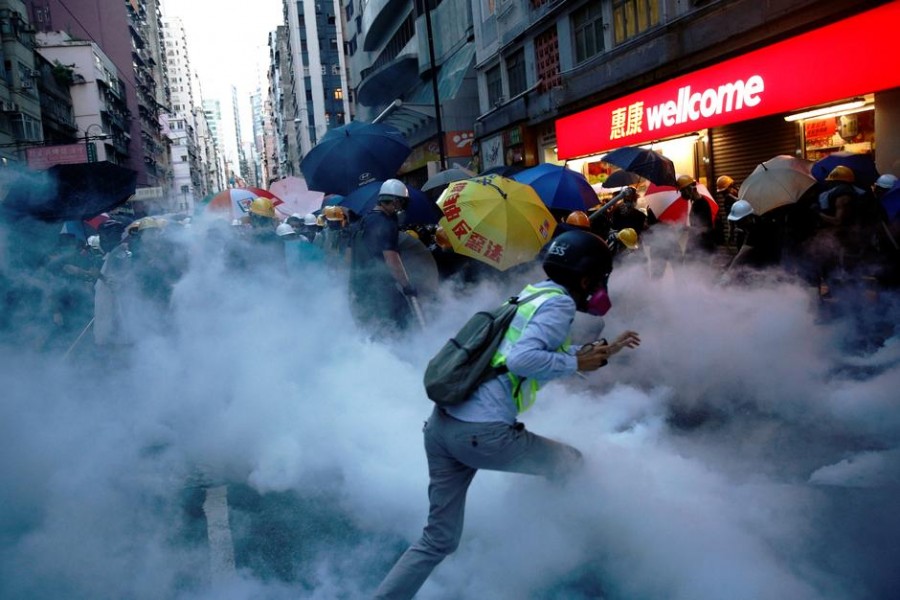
483 432
701 228
380 290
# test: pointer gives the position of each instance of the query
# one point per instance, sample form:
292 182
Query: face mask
599 303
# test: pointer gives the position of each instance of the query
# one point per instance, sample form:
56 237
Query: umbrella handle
412 300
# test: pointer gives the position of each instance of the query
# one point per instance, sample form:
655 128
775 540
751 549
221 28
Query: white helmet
94 242
394 188
284 229
739 210
886 181
310 220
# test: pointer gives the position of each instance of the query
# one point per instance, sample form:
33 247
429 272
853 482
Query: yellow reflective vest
524 390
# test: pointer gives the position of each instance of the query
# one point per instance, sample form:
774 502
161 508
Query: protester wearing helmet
262 213
726 196
701 228
380 289
626 214
883 185
483 432
579 219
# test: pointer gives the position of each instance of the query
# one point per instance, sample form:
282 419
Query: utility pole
434 85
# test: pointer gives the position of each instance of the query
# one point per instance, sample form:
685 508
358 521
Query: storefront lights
829 111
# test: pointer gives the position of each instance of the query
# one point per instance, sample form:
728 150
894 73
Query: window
487 8
632 17
338 93
332 42
546 50
349 10
587 23
494 85
515 73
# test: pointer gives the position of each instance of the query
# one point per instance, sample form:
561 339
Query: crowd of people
836 239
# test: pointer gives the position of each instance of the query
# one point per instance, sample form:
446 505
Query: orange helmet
441 239
334 213
579 218
683 181
841 173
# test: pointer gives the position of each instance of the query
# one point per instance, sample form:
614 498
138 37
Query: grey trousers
456 450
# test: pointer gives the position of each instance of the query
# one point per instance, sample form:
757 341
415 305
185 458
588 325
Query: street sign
91 152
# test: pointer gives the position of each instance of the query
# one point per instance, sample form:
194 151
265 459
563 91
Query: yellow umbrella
496 220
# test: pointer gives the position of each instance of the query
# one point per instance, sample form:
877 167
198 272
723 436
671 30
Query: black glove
410 291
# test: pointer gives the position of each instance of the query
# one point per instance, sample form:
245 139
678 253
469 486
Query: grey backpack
464 362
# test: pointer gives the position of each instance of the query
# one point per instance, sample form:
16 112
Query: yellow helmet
723 183
578 218
629 237
334 213
841 173
263 207
320 221
683 181
412 233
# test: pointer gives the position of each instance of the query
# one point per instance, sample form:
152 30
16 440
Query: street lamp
89 146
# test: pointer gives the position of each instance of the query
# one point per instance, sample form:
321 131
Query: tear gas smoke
738 453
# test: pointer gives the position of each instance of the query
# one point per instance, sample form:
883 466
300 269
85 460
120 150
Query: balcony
377 19
384 84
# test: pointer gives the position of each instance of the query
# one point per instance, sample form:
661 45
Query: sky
228 40
741 452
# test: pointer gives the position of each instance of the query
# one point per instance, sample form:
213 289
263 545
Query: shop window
588 25
515 73
494 85
546 49
633 17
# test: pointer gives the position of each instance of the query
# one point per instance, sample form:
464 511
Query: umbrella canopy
668 205
621 178
862 164
559 187
71 192
419 264
447 177
235 202
495 220
891 202
777 182
352 155
646 163
420 210
295 197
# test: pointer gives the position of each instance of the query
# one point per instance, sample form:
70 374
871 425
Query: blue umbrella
559 187
419 211
352 155
891 202
646 163
862 165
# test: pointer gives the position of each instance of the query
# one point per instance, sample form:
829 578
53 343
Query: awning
417 109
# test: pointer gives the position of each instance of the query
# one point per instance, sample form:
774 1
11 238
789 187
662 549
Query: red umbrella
668 205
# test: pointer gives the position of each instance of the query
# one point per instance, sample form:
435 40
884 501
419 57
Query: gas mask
598 303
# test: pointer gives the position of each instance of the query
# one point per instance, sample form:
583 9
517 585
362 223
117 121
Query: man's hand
629 339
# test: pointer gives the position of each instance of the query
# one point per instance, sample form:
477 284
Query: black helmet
576 254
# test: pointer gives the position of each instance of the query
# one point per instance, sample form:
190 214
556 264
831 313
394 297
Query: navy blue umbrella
504 170
419 211
70 192
862 165
559 187
619 179
352 155
646 163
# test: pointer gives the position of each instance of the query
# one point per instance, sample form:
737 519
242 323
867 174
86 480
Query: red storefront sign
848 58
44 157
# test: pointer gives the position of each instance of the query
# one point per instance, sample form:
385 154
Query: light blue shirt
535 355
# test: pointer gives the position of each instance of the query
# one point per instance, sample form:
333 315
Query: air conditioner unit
26 84
9 107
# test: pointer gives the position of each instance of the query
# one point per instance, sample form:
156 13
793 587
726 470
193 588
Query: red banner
43 157
851 57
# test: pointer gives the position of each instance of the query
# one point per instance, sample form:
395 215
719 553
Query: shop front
424 160
785 98
515 146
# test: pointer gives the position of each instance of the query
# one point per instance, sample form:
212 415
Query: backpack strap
503 369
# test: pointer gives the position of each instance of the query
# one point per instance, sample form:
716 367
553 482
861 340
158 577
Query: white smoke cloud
721 455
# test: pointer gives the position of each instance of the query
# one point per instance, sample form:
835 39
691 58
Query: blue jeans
456 450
